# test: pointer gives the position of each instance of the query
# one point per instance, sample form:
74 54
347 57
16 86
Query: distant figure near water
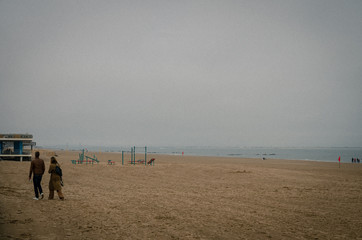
355 160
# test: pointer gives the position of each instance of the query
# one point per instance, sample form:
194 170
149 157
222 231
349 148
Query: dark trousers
37 186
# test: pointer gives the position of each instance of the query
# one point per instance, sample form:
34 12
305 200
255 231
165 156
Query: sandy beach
184 197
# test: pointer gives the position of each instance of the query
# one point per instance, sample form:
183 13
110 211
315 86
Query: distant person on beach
55 182
37 169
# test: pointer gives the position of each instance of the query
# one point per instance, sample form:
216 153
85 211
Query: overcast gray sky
182 73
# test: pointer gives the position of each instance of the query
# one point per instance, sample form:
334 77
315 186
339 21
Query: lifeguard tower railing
16 146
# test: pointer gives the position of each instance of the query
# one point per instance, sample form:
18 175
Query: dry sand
185 198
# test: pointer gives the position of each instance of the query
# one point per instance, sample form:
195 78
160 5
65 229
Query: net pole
134 155
145 155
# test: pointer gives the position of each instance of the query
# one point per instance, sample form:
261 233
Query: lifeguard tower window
16 147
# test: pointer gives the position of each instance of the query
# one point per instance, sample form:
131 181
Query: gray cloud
240 73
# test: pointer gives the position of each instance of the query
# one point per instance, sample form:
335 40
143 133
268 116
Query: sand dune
184 197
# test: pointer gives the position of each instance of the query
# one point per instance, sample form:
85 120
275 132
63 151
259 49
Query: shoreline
237 156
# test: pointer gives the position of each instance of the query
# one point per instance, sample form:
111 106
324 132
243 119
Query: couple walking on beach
37 169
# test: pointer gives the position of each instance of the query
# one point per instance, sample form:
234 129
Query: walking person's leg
40 188
60 194
35 182
51 190
51 194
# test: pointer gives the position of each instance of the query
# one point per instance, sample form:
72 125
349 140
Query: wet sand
185 197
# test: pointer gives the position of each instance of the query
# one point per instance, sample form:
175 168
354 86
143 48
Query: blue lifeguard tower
16 146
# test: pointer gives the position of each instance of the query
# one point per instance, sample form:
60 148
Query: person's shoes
41 195
35 198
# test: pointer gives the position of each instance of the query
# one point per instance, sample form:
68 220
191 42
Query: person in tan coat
55 180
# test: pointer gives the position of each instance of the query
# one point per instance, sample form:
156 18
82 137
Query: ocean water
313 154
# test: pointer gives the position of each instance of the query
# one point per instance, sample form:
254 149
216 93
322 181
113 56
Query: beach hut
16 147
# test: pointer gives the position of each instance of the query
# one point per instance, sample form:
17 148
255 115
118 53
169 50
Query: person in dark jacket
37 168
55 180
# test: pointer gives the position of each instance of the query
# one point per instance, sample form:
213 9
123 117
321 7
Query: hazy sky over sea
195 73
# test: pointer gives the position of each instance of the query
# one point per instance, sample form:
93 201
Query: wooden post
122 157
